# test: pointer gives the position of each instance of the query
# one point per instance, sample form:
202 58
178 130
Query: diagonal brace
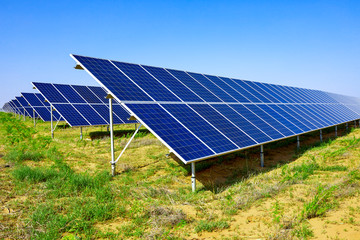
128 143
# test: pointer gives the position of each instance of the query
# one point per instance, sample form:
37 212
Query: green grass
69 191
210 226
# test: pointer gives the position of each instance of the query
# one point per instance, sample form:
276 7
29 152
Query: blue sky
312 44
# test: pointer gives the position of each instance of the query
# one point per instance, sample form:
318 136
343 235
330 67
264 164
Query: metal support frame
34 118
298 142
347 127
336 131
354 123
193 178
321 137
113 161
112 137
24 115
52 122
262 155
51 119
81 134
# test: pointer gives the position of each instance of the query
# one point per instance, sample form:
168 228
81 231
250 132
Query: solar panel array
25 106
199 116
40 106
82 105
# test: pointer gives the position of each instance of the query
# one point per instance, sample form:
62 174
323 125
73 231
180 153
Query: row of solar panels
77 105
198 116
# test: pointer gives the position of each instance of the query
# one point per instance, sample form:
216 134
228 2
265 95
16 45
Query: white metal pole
81 135
34 118
298 142
52 129
321 138
335 131
24 114
112 138
193 179
262 155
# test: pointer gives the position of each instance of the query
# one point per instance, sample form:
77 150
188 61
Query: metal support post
193 179
321 137
81 135
347 127
34 118
112 138
335 131
262 155
52 128
354 124
24 115
298 142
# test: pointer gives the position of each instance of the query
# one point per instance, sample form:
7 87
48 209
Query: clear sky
312 44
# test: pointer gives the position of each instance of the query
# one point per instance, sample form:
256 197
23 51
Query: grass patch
210 226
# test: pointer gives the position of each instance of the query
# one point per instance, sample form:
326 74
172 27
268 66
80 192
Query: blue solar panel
224 96
115 80
85 102
260 92
25 106
148 83
90 114
272 92
196 87
230 130
223 114
291 126
173 84
171 131
253 95
52 94
257 121
69 93
100 93
122 113
87 94
227 88
72 116
196 124
248 95
105 113
242 122
308 122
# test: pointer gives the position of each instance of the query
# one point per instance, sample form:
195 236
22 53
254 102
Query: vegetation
62 188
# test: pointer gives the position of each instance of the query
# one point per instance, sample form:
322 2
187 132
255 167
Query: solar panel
42 108
24 104
82 105
18 107
198 116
